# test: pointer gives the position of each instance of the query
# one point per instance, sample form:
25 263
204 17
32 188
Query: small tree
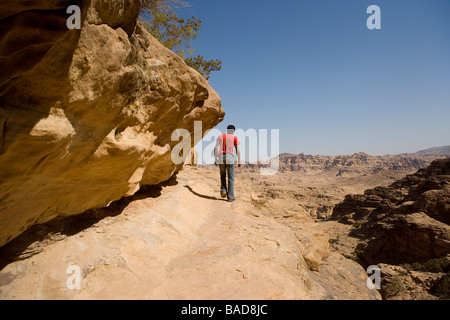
160 19
203 66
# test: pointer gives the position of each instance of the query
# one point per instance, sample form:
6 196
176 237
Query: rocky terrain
87 116
405 227
320 182
180 240
348 165
353 198
317 194
87 181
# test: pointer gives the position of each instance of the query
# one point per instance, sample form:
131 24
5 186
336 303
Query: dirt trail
181 242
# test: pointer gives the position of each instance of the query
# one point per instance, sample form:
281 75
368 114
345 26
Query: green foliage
161 20
442 289
150 7
439 265
203 66
433 265
392 288
174 32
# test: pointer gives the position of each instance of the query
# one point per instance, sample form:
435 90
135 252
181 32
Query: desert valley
354 198
305 233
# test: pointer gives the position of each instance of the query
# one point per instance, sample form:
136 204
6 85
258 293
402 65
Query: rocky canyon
88 183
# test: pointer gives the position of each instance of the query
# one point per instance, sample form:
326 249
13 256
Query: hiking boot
231 200
223 194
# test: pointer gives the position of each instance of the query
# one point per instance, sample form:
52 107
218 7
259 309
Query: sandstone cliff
86 116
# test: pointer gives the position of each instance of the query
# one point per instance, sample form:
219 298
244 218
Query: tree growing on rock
161 20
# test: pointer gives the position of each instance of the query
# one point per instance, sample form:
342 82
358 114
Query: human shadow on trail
202 195
37 237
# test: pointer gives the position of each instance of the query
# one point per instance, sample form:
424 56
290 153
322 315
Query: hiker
224 158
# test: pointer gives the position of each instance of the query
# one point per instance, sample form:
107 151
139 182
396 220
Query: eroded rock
404 223
86 116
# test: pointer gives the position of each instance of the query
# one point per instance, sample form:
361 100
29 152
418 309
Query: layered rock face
406 222
348 165
357 163
87 116
320 182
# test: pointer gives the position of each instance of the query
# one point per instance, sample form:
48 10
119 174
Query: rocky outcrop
406 238
87 116
408 284
407 221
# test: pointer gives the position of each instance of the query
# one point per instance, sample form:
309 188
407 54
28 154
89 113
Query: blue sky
313 70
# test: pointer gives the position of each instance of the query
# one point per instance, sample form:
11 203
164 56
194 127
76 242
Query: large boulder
87 116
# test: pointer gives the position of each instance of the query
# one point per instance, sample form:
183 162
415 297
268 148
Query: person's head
231 129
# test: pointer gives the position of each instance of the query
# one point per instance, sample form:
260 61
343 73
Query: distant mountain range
355 164
438 151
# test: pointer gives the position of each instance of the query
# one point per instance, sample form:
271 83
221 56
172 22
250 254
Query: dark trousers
227 170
